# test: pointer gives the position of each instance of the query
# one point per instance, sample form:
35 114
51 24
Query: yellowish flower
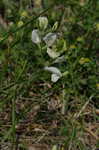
24 14
71 19
80 39
72 46
97 85
20 23
97 26
84 60
1 38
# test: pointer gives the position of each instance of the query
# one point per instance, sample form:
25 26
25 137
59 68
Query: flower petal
54 70
35 36
50 38
43 22
55 78
52 53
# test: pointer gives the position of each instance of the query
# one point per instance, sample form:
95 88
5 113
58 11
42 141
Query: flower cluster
49 39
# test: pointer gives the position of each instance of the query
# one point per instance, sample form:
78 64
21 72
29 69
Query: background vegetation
33 109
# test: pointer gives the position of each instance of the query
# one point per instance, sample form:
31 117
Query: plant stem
13 120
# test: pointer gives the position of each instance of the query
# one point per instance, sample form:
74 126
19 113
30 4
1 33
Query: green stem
13 119
24 65
40 49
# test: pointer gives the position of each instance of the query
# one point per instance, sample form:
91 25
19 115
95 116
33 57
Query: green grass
33 109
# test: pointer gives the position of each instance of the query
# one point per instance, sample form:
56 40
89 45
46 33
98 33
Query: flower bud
24 14
20 23
43 23
55 26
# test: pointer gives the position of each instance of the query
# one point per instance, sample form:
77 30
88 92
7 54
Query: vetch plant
52 44
50 39
60 64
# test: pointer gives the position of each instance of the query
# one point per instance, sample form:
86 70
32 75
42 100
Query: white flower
50 38
53 70
56 74
52 53
35 36
55 78
43 22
